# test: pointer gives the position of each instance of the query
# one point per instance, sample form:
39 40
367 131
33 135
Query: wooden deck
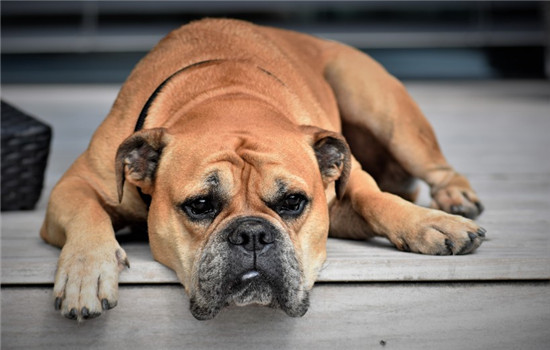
369 295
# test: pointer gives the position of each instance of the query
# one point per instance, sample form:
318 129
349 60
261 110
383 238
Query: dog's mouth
257 290
230 274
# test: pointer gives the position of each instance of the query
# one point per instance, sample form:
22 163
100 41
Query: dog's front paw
456 196
439 233
86 281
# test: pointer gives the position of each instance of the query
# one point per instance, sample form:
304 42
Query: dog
241 148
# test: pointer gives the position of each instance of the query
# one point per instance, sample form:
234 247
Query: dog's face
239 209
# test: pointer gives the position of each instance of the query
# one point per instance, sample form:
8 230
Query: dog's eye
292 205
200 208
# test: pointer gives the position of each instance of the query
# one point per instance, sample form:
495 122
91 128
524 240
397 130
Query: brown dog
226 140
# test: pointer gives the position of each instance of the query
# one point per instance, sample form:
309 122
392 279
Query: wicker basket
25 149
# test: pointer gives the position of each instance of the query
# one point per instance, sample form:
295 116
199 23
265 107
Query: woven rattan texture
25 149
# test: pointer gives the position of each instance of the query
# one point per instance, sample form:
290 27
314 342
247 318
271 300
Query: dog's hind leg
376 160
372 100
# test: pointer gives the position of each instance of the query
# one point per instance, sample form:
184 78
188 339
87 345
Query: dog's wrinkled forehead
231 170
211 182
226 180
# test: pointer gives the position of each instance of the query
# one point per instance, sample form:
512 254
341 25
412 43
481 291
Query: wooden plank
349 316
490 126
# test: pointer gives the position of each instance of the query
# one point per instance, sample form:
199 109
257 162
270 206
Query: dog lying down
242 148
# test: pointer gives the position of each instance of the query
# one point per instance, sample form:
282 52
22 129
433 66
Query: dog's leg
379 163
86 281
371 99
365 211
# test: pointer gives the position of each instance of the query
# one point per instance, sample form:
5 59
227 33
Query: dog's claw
72 314
467 247
450 245
105 305
57 303
479 207
457 210
481 232
122 258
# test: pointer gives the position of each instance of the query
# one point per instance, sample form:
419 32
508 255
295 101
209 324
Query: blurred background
100 41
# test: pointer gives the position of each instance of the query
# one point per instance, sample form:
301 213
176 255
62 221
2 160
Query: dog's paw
457 197
438 233
86 281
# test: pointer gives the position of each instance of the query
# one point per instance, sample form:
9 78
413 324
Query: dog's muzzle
250 261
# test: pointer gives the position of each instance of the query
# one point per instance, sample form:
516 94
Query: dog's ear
333 156
137 159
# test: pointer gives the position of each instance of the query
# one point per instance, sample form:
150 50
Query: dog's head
239 206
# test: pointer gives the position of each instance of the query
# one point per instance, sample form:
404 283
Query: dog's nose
252 235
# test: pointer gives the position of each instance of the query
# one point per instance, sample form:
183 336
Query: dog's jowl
241 148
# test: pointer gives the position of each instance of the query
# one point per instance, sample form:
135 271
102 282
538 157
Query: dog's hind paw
455 196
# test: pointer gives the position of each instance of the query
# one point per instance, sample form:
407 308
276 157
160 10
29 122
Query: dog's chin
255 292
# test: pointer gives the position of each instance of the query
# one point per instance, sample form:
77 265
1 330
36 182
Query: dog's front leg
86 282
408 226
